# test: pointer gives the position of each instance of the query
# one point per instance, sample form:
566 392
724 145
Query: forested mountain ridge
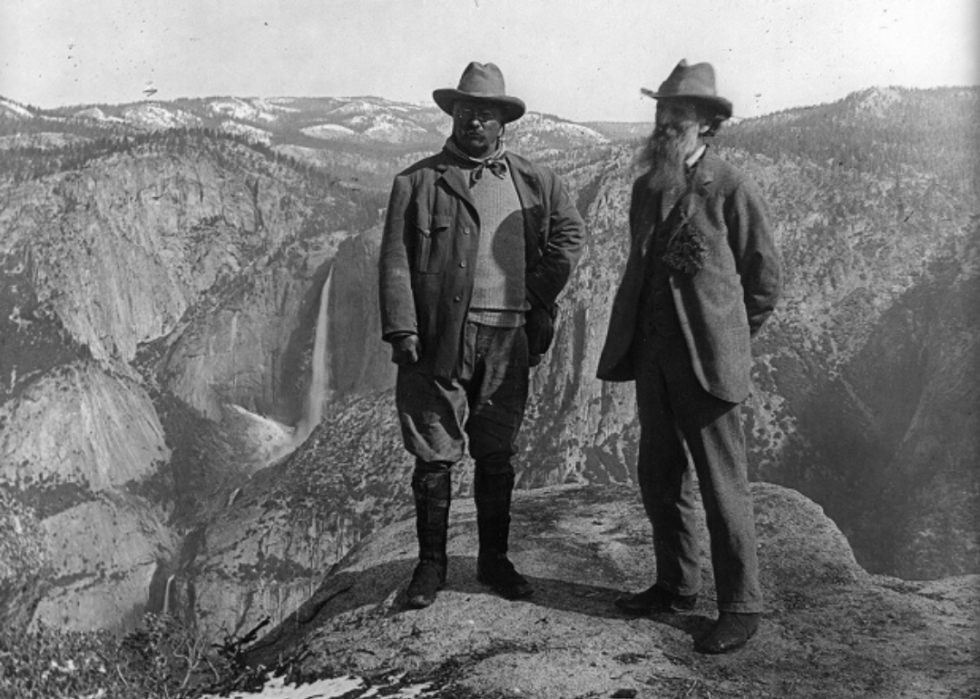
163 280
884 132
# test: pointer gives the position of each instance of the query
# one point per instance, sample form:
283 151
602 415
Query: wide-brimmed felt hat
481 82
696 83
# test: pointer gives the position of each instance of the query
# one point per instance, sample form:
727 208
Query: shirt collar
696 156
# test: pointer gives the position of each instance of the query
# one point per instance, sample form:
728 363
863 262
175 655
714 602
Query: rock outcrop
830 629
263 552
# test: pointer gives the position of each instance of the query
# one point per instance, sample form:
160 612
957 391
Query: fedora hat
481 82
695 82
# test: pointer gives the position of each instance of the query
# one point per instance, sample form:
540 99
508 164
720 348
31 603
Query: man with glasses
477 245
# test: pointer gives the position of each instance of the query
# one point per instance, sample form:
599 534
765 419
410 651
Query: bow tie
497 166
495 163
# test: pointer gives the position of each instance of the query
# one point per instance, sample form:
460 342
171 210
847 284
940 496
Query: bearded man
477 245
702 277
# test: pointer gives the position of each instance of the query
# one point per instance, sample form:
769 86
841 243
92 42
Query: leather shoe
656 600
427 580
497 572
730 632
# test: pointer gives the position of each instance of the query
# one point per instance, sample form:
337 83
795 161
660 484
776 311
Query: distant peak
12 109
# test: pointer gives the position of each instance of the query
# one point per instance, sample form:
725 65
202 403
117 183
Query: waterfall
166 594
318 393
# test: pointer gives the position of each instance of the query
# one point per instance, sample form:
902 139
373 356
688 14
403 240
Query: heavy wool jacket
723 304
429 248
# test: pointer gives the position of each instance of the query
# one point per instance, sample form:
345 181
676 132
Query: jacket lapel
529 194
650 225
455 180
705 172
667 201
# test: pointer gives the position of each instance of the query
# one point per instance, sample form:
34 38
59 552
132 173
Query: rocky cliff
830 629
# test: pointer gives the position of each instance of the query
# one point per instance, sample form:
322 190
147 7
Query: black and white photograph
489 349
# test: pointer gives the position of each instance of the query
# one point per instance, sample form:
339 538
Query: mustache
668 134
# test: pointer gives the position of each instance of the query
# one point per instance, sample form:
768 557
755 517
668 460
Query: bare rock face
830 629
360 361
77 450
580 429
114 270
105 552
80 426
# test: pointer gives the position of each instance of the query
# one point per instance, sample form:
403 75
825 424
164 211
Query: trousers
679 418
481 409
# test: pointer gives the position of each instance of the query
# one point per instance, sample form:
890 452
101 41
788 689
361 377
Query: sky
578 59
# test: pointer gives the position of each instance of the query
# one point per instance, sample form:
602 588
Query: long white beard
665 154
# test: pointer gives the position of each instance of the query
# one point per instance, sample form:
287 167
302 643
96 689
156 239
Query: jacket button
458 299
466 231
463 263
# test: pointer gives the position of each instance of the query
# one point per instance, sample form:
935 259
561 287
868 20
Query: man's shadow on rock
382 588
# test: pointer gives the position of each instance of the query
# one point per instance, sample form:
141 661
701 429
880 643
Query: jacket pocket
431 237
423 249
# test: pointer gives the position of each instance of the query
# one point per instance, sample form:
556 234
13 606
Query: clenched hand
406 350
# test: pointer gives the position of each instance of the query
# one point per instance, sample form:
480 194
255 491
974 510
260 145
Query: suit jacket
429 248
721 306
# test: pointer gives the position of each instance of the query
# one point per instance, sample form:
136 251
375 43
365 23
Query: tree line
25 163
923 132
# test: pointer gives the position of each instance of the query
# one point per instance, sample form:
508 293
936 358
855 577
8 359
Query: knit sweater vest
498 289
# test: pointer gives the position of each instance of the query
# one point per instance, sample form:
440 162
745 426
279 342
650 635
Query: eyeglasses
483 115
